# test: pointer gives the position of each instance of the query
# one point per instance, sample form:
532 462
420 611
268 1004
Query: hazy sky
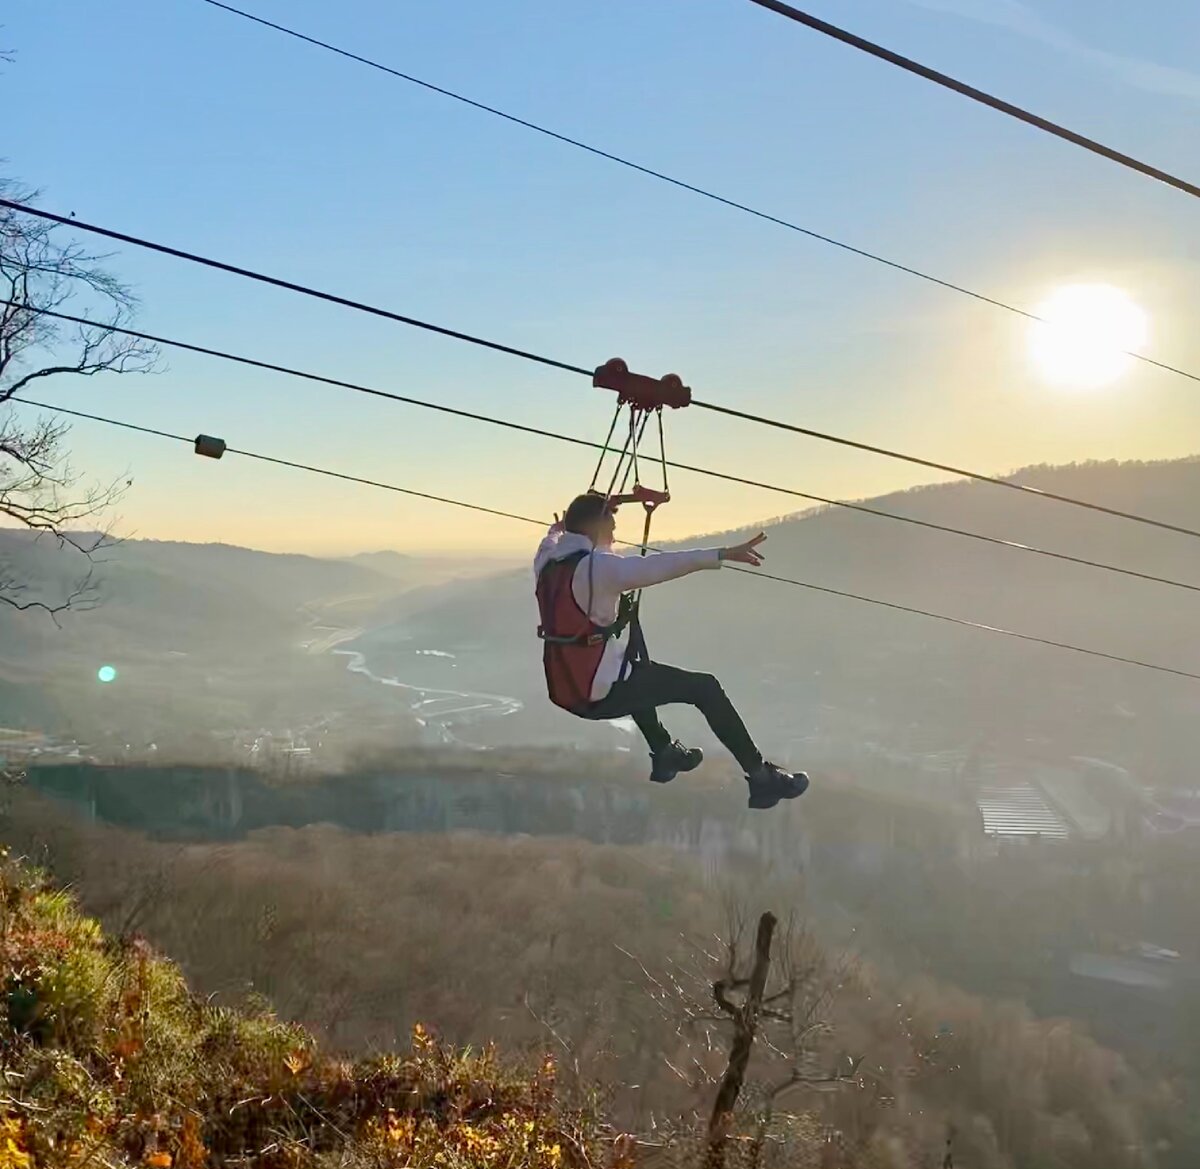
179 122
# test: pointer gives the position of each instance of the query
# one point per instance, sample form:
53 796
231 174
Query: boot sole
668 778
762 802
677 771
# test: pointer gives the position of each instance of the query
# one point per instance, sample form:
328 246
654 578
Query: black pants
652 685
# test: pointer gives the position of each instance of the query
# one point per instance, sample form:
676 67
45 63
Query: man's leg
652 685
656 735
667 757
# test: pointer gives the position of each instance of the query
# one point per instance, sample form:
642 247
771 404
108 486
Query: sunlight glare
1086 335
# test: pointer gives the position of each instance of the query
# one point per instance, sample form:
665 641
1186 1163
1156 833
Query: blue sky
179 122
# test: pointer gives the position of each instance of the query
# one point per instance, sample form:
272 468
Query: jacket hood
567 544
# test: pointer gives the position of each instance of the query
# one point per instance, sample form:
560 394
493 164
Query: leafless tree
42 270
776 992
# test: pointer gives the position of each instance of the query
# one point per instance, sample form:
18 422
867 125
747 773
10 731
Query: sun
1086 335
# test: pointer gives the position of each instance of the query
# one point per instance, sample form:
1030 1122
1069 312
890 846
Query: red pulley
637 389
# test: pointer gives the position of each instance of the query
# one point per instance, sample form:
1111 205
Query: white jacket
600 579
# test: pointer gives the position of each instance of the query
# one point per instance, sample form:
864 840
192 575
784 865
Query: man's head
590 515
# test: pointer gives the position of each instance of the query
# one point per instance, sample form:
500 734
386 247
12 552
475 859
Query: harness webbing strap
662 451
604 450
626 460
625 617
626 613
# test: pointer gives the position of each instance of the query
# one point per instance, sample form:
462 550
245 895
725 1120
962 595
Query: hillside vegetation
107 1059
541 942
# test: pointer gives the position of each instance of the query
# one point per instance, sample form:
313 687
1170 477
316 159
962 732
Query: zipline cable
1028 637
970 91
604 448
290 286
578 369
874 257
777 424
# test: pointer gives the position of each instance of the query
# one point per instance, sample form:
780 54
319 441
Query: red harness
573 643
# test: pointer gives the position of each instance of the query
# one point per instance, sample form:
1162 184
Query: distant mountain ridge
162 573
279 580
817 667
417 570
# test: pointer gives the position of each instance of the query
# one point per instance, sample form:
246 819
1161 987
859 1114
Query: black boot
672 759
770 784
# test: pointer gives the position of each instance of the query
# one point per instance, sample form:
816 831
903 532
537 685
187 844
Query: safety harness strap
626 614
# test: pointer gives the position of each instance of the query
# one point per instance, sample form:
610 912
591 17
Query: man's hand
746 553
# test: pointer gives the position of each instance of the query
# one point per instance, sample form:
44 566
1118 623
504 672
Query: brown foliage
516 940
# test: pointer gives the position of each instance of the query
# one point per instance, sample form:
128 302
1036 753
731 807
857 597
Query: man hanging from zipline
595 659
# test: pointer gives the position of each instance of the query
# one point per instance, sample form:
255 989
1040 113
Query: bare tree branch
834 1078
41 269
549 1028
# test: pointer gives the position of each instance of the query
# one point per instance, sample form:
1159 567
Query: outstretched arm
624 573
621 574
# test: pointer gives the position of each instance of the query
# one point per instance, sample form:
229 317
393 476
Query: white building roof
1019 810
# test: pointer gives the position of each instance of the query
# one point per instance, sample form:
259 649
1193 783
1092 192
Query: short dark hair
584 510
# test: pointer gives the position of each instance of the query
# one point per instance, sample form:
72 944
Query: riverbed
468 698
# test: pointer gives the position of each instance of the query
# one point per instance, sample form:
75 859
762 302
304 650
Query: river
484 713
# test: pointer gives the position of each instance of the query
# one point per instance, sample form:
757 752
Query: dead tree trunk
745 1017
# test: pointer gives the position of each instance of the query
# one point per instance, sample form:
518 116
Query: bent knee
707 686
